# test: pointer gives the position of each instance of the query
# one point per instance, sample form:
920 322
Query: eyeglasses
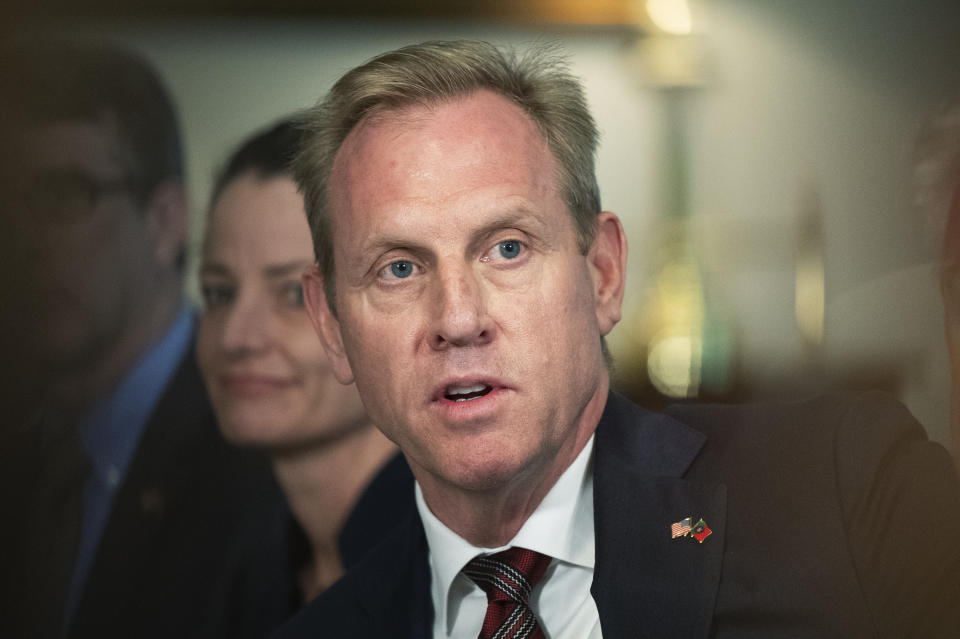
69 195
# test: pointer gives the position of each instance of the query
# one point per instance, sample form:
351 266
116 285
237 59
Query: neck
322 484
491 518
75 390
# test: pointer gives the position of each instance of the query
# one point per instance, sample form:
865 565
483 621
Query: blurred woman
271 384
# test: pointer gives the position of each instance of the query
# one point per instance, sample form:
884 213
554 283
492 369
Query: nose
461 317
246 329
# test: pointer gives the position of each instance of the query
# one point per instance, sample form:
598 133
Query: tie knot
509 575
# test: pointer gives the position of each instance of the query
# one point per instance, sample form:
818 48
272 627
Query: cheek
567 319
124 242
384 358
560 304
208 339
376 339
391 302
304 353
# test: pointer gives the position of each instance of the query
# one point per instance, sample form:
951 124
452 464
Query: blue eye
401 269
509 249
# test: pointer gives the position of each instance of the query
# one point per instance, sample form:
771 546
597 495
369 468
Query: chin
274 433
248 430
240 434
479 473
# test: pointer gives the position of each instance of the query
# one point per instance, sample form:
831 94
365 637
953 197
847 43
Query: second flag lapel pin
684 528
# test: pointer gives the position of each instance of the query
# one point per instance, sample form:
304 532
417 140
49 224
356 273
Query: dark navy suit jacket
833 517
166 544
187 494
261 589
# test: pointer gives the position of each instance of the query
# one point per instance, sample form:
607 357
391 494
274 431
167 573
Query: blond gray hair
539 82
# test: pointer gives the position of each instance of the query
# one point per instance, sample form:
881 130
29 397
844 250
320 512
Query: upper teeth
463 390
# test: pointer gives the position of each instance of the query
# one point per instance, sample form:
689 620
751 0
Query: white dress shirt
561 527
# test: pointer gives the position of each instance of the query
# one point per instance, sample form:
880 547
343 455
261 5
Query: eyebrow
520 217
214 268
274 271
271 271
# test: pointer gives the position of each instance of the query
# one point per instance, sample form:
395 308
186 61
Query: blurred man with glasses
122 496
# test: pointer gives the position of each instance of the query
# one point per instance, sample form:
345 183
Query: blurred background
759 152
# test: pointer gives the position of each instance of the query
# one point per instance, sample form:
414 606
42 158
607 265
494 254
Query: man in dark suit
120 496
466 277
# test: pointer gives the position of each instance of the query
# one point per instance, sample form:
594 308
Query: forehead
258 219
73 144
465 129
479 146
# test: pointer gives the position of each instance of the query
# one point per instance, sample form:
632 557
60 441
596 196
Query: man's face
91 248
466 313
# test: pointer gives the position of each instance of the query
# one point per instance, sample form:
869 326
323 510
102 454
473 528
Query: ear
167 220
607 261
326 325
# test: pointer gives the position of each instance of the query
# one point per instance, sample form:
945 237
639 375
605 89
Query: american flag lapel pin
681 528
684 528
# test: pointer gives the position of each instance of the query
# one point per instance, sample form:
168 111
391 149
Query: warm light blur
810 298
674 364
672 16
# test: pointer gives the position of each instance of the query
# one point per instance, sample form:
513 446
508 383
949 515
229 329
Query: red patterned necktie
508 577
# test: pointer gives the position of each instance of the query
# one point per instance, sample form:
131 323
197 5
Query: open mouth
466 393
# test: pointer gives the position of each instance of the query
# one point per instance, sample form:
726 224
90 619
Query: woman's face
267 374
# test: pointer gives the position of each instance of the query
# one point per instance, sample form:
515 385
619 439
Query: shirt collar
561 527
111 431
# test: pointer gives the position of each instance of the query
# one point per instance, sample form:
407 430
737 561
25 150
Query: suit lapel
647 584
396 597
174 451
